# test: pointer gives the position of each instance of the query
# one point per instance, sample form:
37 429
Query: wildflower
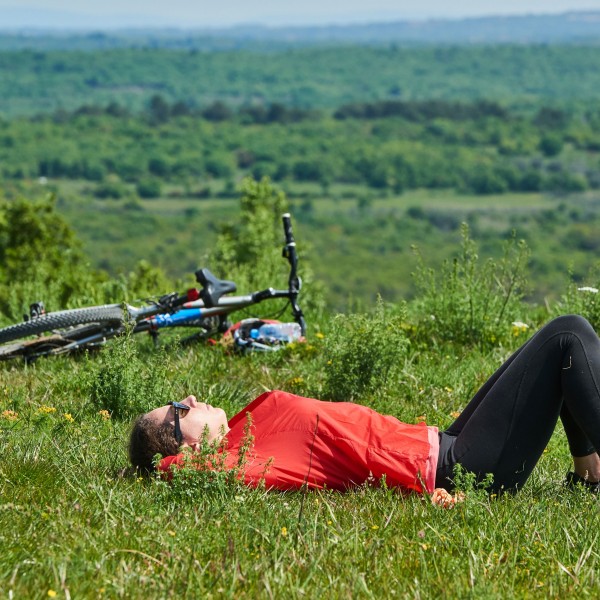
374 526
420 419
319 335
51 594
104 414
46 410
587 288
10 415
69 417
421 533
455 414
448 389
296 381
171 533
284 531
518 327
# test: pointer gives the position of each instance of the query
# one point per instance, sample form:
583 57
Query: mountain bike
206 308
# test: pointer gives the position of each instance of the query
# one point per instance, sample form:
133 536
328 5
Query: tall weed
126 383
361 352
582 300
469 302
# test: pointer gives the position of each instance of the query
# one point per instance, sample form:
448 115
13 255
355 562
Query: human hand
445 499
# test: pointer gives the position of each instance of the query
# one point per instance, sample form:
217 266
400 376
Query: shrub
468 302
361 352
149 188
126 384
582 299
551 145
111 188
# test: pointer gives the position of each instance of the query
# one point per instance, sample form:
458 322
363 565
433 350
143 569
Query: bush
361 352
468 302
127 385
110 189
149 188
582 299
551 145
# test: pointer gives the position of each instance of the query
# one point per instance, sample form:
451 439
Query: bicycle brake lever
167 300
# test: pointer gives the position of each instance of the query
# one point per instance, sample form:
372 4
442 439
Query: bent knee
571 323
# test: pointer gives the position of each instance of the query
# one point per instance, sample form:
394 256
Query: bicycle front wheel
108 313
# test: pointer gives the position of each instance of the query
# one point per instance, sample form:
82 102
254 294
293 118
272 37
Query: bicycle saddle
213 287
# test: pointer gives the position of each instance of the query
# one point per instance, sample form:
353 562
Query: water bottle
277 333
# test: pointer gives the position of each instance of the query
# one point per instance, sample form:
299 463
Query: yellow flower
104 414
455 414
45 410
319 335
69 417
10 415
51 594
518 327
374 526
284 531
448 389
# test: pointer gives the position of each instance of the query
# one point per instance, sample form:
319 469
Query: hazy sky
218 13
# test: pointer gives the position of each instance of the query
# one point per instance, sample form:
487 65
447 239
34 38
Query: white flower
520 325
586 288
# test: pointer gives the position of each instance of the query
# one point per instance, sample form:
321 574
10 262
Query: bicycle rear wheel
108 314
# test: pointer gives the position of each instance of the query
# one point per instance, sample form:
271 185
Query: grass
73 525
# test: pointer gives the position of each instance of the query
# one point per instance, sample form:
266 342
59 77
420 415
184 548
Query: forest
34 81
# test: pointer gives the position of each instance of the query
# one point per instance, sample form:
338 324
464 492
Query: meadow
444 208
74 522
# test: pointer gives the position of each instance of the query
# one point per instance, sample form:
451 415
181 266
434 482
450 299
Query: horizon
187 14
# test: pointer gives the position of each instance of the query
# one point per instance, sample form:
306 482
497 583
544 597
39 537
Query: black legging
507 424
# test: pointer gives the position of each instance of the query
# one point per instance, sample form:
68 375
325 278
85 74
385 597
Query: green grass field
72 526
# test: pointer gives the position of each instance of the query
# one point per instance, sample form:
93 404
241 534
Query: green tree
40 257
250 250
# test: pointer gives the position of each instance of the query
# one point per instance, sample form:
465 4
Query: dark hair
149 438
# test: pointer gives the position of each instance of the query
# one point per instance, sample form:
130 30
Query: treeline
479 147
317 77
159 110
422 110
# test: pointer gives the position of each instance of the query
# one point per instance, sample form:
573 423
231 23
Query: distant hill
56 31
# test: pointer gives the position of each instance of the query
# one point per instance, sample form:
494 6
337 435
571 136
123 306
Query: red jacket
336 445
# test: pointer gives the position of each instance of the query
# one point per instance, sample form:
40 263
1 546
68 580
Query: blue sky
224 13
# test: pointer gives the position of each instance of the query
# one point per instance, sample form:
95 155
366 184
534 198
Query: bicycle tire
31 349
108 313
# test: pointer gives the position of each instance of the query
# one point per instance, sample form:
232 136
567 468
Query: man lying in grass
502 431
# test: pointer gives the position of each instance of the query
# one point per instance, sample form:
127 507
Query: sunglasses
177 406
